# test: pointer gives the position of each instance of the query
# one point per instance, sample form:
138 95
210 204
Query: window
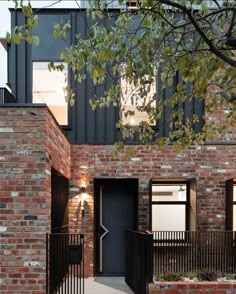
130 102
231 205
48 87
173 205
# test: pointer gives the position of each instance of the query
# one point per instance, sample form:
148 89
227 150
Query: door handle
105 230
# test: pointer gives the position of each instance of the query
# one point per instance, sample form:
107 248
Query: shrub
208 275
169 277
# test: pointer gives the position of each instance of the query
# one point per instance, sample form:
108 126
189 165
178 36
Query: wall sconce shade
83 197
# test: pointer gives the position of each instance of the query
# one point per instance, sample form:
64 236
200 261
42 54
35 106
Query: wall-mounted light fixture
83 197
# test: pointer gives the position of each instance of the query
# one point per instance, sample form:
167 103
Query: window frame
186 202
52 57
63 126
155 125
229 213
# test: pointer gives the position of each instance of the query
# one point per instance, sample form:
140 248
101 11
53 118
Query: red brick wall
210 165
30 143
219 118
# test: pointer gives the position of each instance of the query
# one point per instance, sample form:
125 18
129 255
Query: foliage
230 276
24 32
194 38
208 275
201 275
169 277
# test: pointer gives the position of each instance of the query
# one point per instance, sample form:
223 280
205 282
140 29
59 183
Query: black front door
116 207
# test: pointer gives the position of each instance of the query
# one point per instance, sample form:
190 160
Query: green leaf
8 37
134 40
16 39
36 40
55 34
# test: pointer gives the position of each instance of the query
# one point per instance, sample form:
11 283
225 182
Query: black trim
171 182
229 204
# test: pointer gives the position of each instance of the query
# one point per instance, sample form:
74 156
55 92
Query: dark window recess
230 214
49 48
59 210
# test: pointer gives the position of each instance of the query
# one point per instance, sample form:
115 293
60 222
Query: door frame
97 183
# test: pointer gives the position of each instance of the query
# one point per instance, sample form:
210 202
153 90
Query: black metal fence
138 260
192 251
6 96
65 263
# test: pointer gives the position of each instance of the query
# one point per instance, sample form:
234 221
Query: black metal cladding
85 125
189 107
6 96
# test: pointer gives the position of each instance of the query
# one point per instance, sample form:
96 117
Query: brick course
31 143
210 165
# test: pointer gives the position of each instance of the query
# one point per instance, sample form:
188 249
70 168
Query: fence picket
192 251
65 263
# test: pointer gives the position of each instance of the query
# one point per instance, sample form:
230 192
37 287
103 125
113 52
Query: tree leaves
132 46
24 32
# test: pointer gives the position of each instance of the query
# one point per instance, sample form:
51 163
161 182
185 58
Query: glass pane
168 217
169 192
48 88
234 192
130 102
49 47
234 218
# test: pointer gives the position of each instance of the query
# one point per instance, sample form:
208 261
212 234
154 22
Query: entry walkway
106 285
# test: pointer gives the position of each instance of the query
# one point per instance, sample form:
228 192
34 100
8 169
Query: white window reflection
48 87
169 207
130 102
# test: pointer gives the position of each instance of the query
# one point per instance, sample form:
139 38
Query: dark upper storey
85 126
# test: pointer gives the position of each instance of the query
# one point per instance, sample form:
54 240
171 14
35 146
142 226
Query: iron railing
65 263
138 261
192 251
6 96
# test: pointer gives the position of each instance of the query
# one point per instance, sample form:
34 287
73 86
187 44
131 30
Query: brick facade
209 165
32 143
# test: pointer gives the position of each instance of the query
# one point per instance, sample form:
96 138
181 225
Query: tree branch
194 22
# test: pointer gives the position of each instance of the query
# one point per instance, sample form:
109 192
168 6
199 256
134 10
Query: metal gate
65 263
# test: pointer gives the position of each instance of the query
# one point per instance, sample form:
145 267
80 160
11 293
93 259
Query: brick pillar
28 140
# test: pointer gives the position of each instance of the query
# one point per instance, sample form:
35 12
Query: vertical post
47 258
82 278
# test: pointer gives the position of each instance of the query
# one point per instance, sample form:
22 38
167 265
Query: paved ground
106 285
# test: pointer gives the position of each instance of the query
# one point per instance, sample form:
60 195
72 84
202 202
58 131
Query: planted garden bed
202 287
201 282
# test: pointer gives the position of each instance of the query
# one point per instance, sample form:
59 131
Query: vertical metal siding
85 126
